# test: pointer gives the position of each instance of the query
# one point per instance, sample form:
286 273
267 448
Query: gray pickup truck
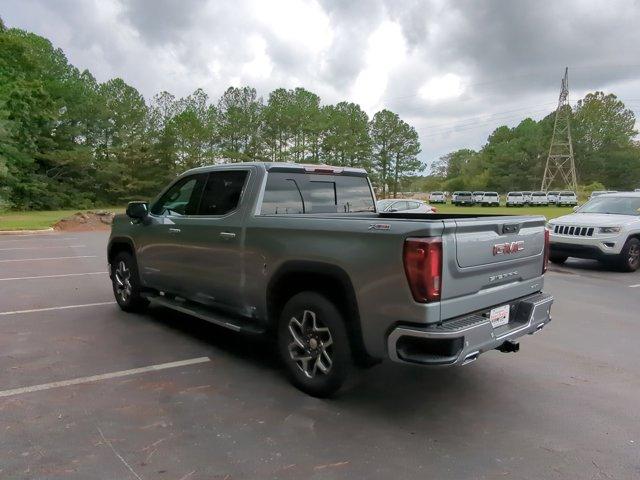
299 252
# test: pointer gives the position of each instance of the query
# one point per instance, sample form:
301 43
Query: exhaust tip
472 357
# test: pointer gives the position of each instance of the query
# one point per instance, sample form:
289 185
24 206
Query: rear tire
313 344
629 258
558 259
126 283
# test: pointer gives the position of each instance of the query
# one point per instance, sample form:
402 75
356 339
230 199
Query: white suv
605 228
515 199
597 193
567 198
490 198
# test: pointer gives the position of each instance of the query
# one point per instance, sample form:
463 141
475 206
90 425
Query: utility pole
561 168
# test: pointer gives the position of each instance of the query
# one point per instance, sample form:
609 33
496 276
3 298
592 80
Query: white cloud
303 24
386 50
449 68
444 87
260 66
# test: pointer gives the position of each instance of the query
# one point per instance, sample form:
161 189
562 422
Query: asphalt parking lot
88 391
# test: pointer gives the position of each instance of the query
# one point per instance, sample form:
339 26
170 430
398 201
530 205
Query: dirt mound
85 221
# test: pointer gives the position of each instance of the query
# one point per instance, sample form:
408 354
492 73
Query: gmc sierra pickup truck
299 252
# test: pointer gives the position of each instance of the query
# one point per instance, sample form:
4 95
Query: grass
45 219
549 212
39 220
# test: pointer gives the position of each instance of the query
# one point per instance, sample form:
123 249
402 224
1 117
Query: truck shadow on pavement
387 389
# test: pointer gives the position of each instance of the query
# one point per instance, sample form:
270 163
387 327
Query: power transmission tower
561 168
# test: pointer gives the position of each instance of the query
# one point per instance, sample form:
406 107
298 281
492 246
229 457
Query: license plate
499 316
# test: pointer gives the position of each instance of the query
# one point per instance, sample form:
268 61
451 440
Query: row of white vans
512 199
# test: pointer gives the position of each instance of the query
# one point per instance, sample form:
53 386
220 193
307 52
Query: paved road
566 406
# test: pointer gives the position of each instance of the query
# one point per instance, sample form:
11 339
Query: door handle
174 230
227 235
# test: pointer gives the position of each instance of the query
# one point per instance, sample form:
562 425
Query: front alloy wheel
630 255
126 283
122 281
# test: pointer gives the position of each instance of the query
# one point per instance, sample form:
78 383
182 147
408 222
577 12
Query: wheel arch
634 235
327 279
120 244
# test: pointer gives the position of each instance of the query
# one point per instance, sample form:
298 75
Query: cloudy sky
455 70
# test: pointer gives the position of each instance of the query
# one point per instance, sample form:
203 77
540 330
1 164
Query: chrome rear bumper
461 340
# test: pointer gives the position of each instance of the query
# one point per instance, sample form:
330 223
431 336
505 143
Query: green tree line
67 140
606 154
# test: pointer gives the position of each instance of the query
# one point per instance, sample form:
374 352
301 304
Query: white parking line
46 233
47 309
40 248
104 376
634 286
4 239
45 258
52 276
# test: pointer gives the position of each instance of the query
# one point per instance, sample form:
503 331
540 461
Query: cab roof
285 167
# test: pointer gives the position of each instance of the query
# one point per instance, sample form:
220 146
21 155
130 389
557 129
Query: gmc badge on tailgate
508 247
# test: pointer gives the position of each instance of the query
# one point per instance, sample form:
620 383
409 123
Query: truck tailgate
501 242
489 261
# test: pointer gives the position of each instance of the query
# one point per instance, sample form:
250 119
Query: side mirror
137 210
575 209
391 210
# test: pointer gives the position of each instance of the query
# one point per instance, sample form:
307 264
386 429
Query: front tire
629 258
313 344
126 283
558 259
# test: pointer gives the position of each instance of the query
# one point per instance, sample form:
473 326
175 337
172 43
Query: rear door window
222 192
282 196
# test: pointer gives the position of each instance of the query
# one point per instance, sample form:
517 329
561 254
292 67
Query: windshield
567 194
465 194
612 206
515 194
538 194
491 194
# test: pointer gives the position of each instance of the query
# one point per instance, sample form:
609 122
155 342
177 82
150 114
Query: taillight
423 267
546 250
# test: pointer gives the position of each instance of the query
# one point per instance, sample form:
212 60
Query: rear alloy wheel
126 283
629 258
313 344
